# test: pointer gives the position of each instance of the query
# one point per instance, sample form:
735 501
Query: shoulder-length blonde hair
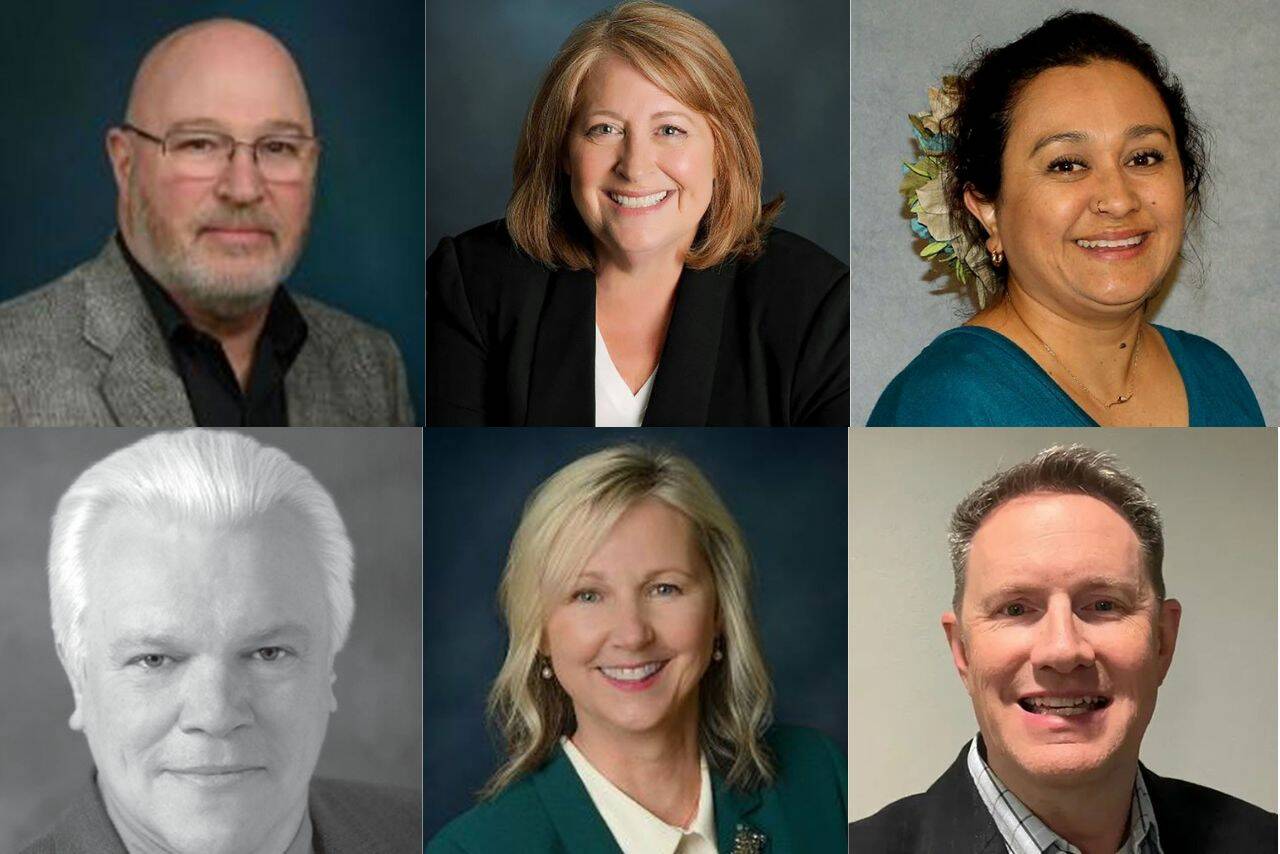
564 521
681 55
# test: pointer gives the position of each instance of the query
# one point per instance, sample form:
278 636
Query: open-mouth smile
1064 707
633 202
633 678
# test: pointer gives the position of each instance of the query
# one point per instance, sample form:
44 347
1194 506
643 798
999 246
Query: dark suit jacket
951 817
86 351
550 812
511 342
346 818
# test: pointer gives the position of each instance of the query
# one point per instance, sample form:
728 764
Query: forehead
1050 540
231 73
1102 98
613 83
649 536
202 582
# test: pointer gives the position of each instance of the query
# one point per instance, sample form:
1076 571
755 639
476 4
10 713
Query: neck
660 770
139 839
621 270
237 335
1092 814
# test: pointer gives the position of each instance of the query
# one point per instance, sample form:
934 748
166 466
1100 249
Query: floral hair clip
924 185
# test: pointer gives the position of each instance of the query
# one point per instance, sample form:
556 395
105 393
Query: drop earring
717 654
547 672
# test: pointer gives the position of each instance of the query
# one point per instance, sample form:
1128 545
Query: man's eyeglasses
281 158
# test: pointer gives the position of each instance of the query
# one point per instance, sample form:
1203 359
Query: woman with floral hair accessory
1059 175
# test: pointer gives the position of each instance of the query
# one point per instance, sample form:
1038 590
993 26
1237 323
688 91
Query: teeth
1112 244
639 201
632 674
1063 706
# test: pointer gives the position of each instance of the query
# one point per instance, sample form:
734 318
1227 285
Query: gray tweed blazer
346 818
85 350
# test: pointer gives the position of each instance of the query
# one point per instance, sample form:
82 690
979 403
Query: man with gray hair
1062 633
200 587
183 317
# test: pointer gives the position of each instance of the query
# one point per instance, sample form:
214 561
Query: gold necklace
1129 371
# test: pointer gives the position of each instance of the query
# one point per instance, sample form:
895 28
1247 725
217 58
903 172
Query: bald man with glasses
183 318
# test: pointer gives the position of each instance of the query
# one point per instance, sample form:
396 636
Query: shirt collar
634 828
301 843
1025 833
285 329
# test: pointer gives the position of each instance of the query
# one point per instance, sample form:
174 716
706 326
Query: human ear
75 675
955 639
1167 633
120 153
985 212
333 700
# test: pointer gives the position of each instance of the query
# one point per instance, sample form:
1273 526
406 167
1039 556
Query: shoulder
797 746
482 258
378 818
1218 392
1199 353
51 313
342 336
1214 820
794 271
514 820
959 379
897 824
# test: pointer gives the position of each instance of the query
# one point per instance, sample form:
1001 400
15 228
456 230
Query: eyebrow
653 573
1097 582
1134 132
148 639
273 126
661 114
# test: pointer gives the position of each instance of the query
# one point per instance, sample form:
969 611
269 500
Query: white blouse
634 828
616 406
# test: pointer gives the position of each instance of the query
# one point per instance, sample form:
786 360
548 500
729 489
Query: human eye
280 146
1104 606
270 654
587 597
603 129
195 143
1013 609
1066 165
1149 157
672 131
664 589
150 660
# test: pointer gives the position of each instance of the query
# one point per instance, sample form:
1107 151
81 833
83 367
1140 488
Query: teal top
973 377
549 812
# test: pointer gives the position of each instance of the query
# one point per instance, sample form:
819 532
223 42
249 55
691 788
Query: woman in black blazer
637 277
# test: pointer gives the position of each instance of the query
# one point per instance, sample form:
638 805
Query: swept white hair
205 475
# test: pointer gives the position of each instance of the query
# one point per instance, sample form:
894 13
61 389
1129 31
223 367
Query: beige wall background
909 716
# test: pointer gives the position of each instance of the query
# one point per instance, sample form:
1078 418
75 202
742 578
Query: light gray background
485 59
1226 58
909 715
374 476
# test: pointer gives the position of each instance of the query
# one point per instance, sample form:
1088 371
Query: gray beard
221 296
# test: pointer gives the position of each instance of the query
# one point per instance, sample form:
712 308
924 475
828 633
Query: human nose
214 700
632 628
1059 644
635 158
1116 195
240 181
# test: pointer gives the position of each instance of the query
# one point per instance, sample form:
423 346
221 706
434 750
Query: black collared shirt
212 388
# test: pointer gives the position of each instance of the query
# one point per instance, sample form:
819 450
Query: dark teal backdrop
785 488
67 66
485 58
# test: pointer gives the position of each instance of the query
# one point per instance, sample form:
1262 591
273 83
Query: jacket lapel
139 384
562 376
733 810
682 389
576 820
958 812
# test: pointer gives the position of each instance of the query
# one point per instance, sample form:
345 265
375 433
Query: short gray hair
207 475
1062 469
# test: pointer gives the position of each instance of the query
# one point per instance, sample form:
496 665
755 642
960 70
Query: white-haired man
200 585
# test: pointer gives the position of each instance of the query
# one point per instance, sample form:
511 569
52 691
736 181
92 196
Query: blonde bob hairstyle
564 522
681 55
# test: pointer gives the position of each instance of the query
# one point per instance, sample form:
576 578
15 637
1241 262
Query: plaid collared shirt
1025 833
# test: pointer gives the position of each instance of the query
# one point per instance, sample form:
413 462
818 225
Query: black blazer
951 817
511 342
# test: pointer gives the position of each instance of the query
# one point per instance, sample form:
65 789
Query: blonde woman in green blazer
634 700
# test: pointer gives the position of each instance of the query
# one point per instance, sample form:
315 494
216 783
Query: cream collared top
616 406
634 828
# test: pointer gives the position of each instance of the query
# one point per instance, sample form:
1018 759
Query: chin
1064 763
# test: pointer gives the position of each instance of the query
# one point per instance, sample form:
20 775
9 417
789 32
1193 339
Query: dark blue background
67 66
786 488
485 58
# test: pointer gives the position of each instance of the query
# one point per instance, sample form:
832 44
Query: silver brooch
748 840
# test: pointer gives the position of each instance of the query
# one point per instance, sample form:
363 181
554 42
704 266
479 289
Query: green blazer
550 812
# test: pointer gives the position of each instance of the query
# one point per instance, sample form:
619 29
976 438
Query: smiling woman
1063 170
634 700
637 277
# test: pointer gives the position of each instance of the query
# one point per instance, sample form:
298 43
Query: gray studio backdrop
1226 59
485 58
909 715
785 488
374 476
68 65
